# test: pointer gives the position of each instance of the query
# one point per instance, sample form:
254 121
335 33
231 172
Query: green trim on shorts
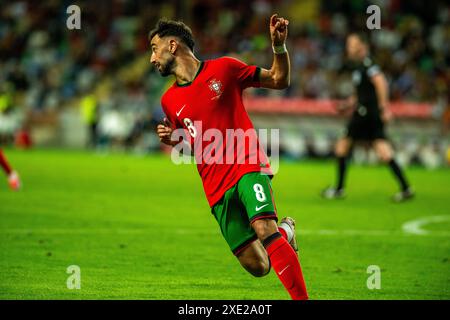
248 200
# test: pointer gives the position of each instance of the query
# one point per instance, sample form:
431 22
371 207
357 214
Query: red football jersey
209 107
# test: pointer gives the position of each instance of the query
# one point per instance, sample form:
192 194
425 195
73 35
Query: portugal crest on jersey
216 87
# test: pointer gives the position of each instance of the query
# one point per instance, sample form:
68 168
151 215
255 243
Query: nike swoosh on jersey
259 208
179 112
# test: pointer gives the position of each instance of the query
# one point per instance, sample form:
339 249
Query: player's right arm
382 90
278 76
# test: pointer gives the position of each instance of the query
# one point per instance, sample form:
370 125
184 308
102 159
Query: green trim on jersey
248 200
189 83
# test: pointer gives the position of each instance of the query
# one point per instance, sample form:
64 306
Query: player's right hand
386 115
164 132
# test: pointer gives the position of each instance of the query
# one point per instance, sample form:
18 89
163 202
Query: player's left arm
382 90
278 77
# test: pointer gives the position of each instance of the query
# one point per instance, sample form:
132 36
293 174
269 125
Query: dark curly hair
177 29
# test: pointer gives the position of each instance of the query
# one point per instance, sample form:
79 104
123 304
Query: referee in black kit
367 122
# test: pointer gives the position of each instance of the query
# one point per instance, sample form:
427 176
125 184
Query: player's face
161 57
355 48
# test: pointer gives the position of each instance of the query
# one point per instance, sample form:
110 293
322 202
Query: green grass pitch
140 228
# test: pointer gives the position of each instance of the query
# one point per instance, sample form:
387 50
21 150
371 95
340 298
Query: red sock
285 263
4 163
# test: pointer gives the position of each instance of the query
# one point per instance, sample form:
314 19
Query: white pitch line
350 232
416 226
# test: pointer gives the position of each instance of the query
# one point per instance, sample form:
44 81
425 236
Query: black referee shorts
366 128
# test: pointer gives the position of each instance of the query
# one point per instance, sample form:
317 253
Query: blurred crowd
44 67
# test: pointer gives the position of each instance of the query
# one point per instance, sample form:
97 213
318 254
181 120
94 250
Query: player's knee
384 151
385 155
339 153
385 158
258 268
341 149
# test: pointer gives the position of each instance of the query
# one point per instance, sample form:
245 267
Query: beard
166 70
